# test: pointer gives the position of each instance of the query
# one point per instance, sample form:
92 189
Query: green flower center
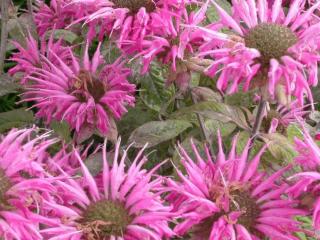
272 40
103 219
87 82
135 5
5 185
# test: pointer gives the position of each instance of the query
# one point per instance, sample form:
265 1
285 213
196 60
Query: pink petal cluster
269 48
86 94
171 40
229 198
21 183
306 187
59 14
119 204
128 20
30 57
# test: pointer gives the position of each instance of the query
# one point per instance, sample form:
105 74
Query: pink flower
30 57
87 94
229 198
171 40
282 116
308 152
270 48
306 187
121 204
129 22
58 15
20 189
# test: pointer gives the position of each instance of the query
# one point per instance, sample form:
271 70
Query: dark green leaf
156 132
280 147
154 93
7 84
62 129
214 110
15 119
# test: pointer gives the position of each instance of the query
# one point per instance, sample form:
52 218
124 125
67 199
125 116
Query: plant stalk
4 32
259 118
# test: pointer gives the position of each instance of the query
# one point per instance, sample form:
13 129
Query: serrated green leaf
62 129
154 93
242 99
134 118
156 132
280 147
225 129
15 119
214 110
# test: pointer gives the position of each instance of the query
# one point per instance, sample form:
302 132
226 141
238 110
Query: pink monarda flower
281 117
307 188
20 187
59 14
121 204
87 94
30 57
128 20
269 48
230 199
172 40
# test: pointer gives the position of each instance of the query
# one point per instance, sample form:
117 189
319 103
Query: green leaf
154 93
15 119
134 118
19 28
280 147
7 84
66 35
241 99
156 132
214 110
294 131
94 163
225 129
212 13
62 129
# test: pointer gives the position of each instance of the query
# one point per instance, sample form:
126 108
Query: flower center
272 40
103 219
135 5
85 82
5 185
242 201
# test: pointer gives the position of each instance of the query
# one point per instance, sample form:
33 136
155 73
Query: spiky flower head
119 204
30 57
21 183
229 198
131 22
58 14
171 40
86 94
268 48
306 187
